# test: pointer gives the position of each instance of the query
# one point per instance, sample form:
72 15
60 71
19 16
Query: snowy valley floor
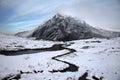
90 59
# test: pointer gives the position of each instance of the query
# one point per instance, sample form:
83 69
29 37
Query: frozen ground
95 58
16 43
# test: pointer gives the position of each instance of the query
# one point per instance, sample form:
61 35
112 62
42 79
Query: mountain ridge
66 28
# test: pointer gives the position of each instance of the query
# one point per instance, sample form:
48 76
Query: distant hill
22 34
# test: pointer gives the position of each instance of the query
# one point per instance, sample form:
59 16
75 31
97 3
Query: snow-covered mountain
66 28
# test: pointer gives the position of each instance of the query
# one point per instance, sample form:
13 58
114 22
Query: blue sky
22 15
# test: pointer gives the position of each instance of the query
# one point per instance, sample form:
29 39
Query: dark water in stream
15 53
32 51
70 68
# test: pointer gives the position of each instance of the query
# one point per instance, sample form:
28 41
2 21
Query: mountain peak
58 15
66 28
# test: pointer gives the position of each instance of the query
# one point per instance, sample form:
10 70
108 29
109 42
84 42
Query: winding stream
70 68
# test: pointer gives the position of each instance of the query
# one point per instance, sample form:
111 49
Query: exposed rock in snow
65 28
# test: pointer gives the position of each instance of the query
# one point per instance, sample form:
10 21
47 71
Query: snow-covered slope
66 28
95 58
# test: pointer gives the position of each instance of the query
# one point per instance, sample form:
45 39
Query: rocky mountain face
66 28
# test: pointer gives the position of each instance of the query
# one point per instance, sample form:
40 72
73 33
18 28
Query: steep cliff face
65 28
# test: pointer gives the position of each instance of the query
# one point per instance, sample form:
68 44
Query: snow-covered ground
97 57
16 43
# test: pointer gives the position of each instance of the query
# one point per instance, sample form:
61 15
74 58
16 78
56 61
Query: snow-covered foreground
97 57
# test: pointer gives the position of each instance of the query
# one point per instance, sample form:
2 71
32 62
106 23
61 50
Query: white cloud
36 7
9 3
104 14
